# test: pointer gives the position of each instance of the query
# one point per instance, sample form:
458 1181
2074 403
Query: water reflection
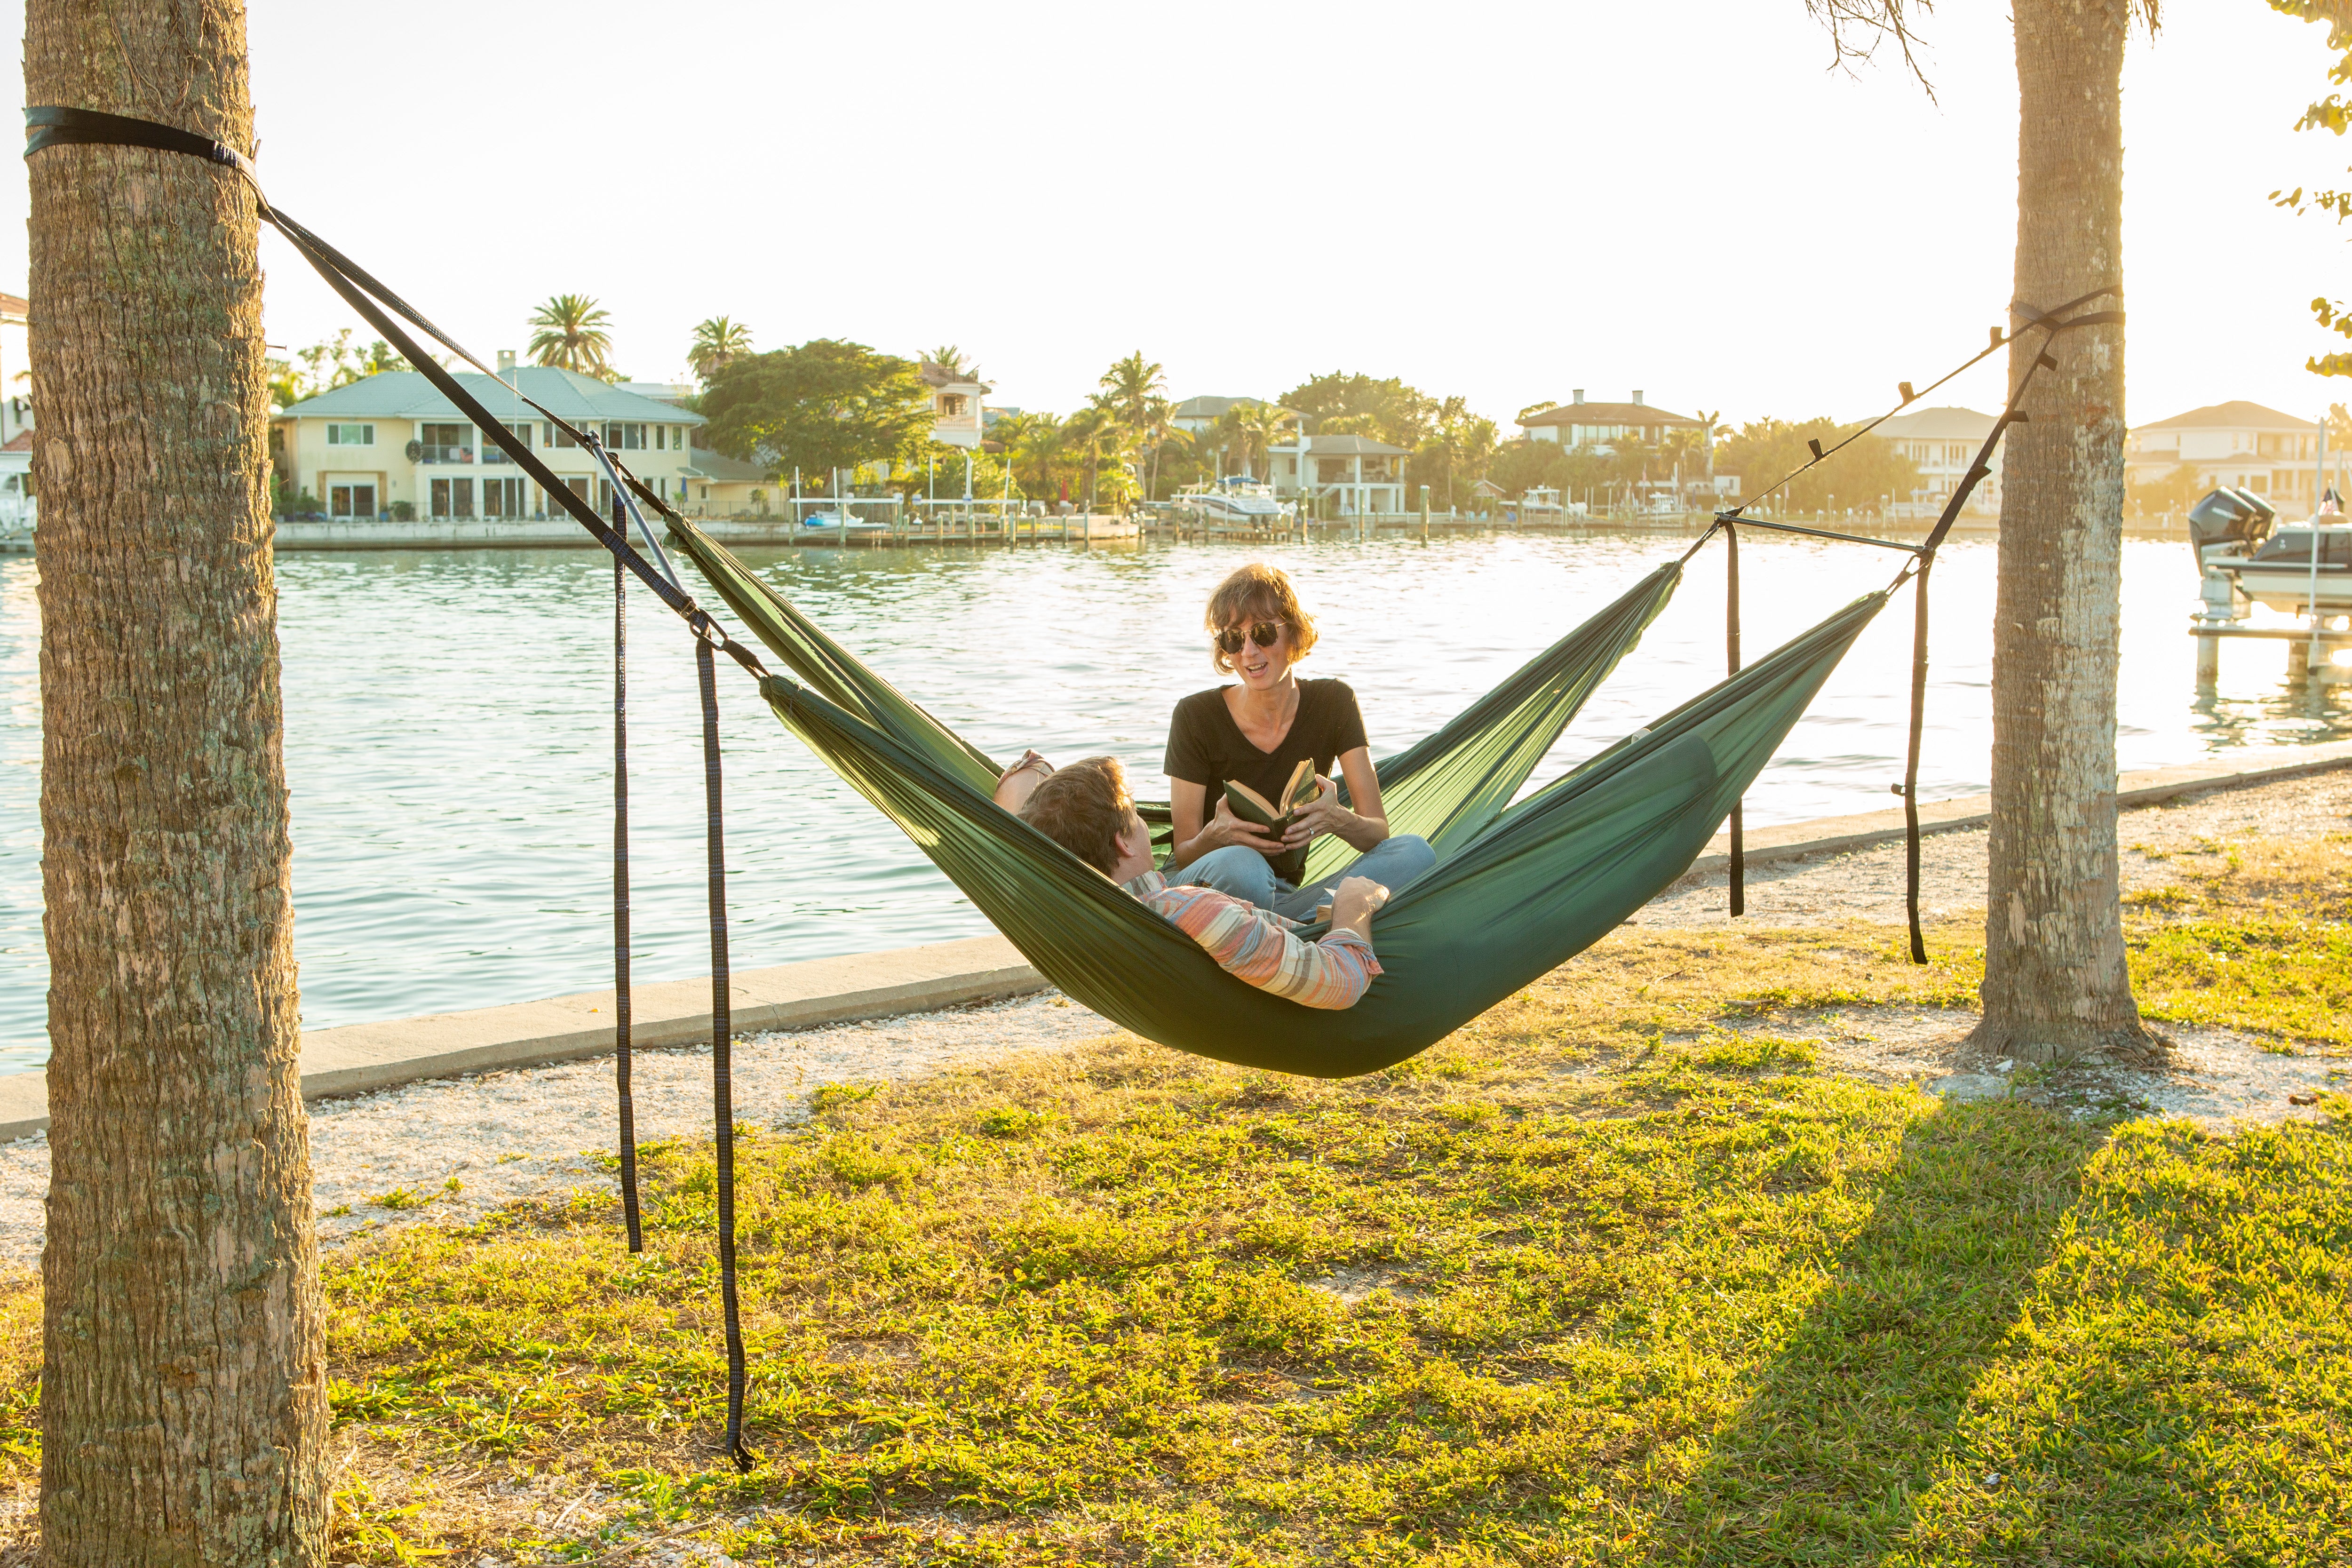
448 727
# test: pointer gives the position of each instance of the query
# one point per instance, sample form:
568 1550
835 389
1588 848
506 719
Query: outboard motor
2228 524
2230 516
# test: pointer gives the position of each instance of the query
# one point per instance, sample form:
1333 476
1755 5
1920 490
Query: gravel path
1868 883
451 1150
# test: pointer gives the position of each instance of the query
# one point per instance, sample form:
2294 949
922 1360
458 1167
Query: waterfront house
1352 473
721 486
15 412
956 419
1600 425
392 445
1942 443
1197 414
2274 455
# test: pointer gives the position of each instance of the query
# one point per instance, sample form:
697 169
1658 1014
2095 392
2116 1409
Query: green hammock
1544 880
1445 787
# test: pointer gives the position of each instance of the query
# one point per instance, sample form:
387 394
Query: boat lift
2245 557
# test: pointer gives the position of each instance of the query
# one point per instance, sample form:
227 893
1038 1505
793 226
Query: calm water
447 727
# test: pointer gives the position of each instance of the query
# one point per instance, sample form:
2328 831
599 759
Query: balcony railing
445 454
496 455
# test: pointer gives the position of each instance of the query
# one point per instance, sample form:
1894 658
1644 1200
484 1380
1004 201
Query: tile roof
15 305
1208 407
1946 423
718 467
2238 416
936 375
1351 446
1605 414
406 394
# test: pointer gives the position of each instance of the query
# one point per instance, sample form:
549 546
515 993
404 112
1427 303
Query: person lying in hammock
1256 733
1086 808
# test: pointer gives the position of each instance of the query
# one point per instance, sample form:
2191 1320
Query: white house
1942 442
1195 414
955 405
1354 473
1577 423
392 443
15 410
2243 443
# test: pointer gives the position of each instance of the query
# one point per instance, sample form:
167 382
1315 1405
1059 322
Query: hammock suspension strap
621 906
1738 876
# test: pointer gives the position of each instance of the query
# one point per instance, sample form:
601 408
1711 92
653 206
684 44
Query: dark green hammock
1446 787
1544 879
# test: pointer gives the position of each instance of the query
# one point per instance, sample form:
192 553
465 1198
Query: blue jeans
1243 873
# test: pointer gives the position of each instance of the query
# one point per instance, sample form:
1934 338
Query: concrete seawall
360 1058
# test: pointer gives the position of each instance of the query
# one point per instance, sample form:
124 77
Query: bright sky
1503 200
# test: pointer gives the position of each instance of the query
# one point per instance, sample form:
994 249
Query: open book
1252 806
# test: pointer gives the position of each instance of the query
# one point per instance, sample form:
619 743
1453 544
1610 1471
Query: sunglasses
1265 633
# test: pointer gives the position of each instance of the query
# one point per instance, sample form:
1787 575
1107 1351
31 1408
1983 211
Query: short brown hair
1263 593
1084 807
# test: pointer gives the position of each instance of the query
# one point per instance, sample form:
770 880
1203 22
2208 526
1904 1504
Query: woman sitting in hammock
1256 732
1086 808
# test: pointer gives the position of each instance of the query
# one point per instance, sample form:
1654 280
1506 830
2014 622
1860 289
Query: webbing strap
1731 667
621 907
1911 762
722 1053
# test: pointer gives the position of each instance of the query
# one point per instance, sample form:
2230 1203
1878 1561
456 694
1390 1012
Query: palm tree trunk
2055 983
183 1390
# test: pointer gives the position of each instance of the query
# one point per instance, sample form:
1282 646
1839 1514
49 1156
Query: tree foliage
1762 450
824 405
326 365
2330 114
717 344
1351 403
571 336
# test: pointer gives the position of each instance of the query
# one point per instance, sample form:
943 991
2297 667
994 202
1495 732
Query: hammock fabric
1544 880
1446 787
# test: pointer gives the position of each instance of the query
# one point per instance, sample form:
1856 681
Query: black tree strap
621 1005
1911 762
722 1054
50 126
2049 323
1731 667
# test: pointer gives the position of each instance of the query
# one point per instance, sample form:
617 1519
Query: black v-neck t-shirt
1206 747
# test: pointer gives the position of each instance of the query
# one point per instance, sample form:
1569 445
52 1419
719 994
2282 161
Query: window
491 454
453 498
351 435
625 438
351 501
445 444
661 436
553 435
503 498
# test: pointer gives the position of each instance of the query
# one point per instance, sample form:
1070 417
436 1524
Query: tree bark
2055 984
184 1391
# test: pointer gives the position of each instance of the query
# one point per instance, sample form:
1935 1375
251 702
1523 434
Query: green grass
1597 1280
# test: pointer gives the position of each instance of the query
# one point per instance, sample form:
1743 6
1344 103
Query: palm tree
2055 981
717 344
1158 425
1097 435
572 334
182 1392
1130 384
1256 428
951 360
1032 443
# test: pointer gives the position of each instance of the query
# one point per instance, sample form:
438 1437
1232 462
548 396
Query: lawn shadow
1852 1420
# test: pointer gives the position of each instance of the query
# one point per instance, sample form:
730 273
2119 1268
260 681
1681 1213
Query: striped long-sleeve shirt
1262 947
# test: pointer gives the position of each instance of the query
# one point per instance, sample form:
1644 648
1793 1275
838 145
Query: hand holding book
1273 816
